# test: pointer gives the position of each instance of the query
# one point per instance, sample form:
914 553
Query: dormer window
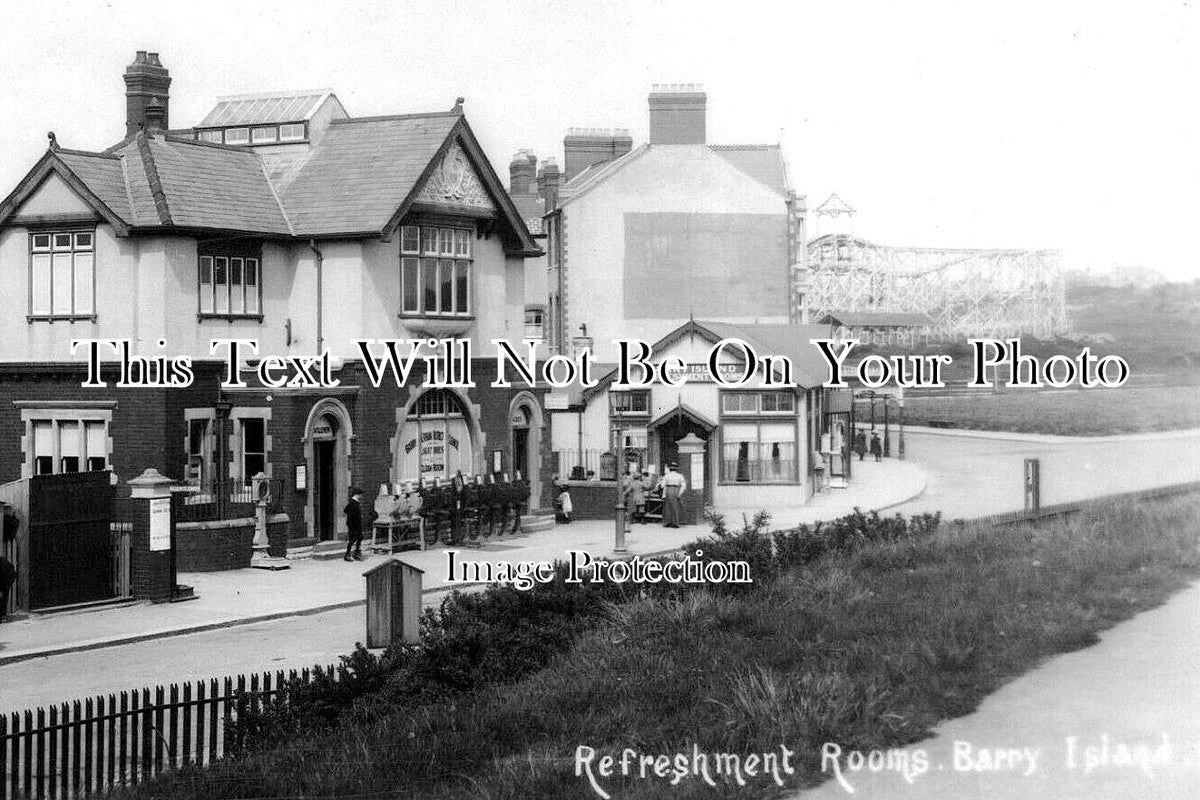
292 133
256 135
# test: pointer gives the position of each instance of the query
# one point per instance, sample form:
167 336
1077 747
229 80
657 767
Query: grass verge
868 648
1091 412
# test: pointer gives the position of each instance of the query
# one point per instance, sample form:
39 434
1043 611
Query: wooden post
1033 487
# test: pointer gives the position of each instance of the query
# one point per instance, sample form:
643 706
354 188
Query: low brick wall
598 500
224 544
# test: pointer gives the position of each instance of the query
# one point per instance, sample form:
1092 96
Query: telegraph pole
619 547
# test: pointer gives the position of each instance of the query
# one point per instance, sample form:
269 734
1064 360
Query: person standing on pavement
637 497
673 486
8 576
876 447
860 444
354 523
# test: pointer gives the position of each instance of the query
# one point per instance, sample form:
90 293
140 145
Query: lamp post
619 546
900 413
887 431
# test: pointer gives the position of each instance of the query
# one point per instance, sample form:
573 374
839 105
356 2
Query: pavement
1115 720
246 596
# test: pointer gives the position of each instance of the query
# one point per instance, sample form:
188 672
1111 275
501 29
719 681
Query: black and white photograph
604 399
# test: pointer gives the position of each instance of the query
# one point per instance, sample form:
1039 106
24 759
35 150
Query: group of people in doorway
639 493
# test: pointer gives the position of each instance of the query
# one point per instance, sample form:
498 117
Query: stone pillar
153 546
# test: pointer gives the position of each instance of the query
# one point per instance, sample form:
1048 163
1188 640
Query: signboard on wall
699 373
160 523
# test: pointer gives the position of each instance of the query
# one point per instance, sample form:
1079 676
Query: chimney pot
147 95
521 172
678 113
583 147
548 182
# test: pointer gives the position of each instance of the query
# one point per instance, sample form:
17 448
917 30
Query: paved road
973 476
291 643
1117 720
967 477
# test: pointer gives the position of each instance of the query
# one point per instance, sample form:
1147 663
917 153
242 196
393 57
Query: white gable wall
663 178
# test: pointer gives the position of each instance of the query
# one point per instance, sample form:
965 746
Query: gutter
312 245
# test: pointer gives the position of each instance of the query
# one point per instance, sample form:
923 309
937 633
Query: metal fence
233 499
90 746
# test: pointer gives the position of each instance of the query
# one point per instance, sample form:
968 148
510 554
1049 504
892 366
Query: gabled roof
105 199
261 109
366 173
359 180
876 319
763 162
363 170
834 205
793 341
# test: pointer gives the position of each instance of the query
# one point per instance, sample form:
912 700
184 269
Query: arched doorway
525 422
327 442
436 438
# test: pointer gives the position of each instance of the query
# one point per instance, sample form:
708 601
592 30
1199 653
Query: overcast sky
1011 124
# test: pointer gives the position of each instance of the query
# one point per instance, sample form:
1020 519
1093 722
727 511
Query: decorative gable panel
454 182
54 198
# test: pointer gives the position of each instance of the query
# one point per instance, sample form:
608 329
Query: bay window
435 271
62 275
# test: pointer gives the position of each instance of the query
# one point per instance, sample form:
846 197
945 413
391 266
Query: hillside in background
1152 326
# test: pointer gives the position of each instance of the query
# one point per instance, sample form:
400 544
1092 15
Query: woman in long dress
673 486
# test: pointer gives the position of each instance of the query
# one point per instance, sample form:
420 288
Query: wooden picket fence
84 747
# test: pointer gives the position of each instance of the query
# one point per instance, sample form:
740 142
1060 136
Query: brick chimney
521 173
677 113
146 94
583 147
548 182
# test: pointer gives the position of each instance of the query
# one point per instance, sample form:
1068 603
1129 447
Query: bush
502 634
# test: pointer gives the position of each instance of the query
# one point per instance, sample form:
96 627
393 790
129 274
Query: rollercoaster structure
971 292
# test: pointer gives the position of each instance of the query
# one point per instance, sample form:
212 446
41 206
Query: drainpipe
312 245
579 425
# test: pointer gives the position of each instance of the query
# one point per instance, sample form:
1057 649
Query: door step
301 552
532 523
326 551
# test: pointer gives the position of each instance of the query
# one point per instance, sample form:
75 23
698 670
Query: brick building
277 218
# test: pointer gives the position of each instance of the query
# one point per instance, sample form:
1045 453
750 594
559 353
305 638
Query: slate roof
260 109
532 209
876 319
354 182
793 341
763 162
809 368
104 176
361 172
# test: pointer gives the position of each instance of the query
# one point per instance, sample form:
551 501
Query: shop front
740 447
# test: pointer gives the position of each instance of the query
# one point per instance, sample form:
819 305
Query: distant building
639 239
